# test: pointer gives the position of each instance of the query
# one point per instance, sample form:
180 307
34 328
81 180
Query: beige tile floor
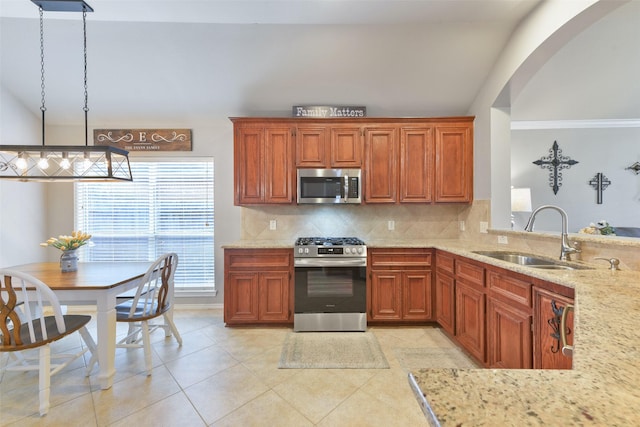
223 377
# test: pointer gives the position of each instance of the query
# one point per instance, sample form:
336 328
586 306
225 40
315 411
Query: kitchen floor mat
332 350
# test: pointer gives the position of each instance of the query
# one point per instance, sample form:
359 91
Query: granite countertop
601 389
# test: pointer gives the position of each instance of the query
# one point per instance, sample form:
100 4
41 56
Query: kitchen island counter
601 389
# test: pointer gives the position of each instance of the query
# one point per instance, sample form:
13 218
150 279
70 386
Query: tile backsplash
371 222
367 222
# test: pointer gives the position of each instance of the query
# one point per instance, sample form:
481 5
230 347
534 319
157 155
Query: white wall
535 40
608 150
211 138
23 213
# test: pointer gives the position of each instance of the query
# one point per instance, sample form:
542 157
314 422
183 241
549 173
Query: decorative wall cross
599 182
555 162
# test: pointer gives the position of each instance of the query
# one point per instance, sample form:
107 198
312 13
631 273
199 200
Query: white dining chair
153 300
25 325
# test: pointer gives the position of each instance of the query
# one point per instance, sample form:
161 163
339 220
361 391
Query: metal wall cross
555 162
599 182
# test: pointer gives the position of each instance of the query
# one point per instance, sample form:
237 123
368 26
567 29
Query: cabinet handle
567 350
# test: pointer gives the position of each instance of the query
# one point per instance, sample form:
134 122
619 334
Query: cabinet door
509 339
454 164
547 347
445 301
346 147
386 295
311 147
417 302
274 297
241 297
278 166
249 166
416 165
381 176
470 319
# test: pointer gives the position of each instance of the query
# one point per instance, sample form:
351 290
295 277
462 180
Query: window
167 208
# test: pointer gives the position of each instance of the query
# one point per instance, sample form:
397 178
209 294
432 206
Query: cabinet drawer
470 272
399 258
512 289
444 262
258 259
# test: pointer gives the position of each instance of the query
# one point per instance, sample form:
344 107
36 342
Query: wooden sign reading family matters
144 139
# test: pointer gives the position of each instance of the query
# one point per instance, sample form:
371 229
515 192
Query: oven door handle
332 262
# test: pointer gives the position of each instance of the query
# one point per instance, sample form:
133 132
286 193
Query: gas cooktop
329 241
314 247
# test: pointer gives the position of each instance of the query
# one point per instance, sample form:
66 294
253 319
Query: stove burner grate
328 241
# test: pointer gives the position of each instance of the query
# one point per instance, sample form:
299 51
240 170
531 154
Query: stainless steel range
330 284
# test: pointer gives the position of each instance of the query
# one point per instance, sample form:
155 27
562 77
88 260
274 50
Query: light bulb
87 161
21 163
43 163
64 163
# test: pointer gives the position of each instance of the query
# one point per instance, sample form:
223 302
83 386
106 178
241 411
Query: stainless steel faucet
565 246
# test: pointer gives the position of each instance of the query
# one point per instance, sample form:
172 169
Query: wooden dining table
94 283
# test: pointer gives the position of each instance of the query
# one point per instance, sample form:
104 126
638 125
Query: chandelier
64 162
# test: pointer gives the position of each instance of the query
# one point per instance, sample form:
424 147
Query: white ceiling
180 60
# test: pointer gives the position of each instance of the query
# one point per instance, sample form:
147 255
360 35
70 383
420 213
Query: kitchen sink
532 261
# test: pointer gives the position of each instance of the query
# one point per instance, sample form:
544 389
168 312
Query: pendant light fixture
64 162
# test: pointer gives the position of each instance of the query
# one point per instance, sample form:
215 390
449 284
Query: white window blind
167 208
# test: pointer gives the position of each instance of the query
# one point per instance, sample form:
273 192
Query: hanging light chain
42 105
86 90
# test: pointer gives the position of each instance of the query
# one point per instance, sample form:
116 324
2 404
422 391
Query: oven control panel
319 251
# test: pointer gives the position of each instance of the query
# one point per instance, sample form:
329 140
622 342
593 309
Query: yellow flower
77 239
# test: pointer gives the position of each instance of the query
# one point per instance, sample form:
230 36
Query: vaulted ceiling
191 60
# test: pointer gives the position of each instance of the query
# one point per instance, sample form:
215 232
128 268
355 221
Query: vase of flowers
68 245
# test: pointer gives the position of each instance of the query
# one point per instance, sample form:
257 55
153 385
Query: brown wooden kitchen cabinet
416 165
404 160
263 166
381 164
470 308
509 320
549 302
445 291
419 163
400 285
335 146
258 286
454 163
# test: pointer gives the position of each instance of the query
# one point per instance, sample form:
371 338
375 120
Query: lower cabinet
445 301
470 319
258 286
509 320
509 336
548 308
504 319
400 285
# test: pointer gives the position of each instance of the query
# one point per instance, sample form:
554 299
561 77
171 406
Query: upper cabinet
416 164
404 160
454 163
419 162
263 169
381 165
328 146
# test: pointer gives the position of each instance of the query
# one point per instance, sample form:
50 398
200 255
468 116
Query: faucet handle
613 262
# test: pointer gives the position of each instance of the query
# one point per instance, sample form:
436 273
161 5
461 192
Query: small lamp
520 202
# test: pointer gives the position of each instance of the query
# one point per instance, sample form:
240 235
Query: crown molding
574 124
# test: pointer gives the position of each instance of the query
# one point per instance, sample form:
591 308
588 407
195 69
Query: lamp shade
521 200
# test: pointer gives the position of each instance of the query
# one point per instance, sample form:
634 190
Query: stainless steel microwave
326 186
